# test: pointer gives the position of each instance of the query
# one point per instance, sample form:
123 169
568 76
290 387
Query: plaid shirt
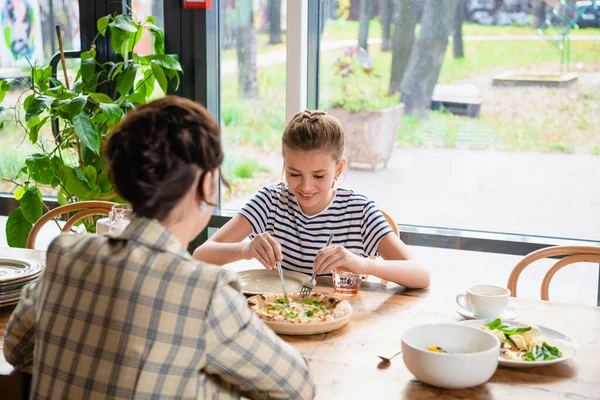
136 317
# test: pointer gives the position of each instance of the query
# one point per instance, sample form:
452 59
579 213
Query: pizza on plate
317 307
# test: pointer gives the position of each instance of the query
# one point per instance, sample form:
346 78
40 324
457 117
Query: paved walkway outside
229 67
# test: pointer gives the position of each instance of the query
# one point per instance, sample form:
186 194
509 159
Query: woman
135 316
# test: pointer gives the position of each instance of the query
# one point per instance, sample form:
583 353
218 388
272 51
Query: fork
308 286
280 271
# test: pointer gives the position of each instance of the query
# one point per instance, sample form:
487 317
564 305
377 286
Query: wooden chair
394 227
84 209
571 254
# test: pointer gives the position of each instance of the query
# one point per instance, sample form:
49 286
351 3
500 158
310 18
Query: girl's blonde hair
314 130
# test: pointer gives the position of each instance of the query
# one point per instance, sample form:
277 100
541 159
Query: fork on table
308 286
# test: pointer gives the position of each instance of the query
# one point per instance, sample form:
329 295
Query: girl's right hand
265 249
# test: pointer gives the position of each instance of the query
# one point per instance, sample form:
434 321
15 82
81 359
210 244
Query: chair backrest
392 223
570 254
84 209
394 227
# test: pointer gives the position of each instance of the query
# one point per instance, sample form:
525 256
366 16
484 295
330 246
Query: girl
296 219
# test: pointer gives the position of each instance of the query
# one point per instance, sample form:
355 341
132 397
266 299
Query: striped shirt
354 220
135 317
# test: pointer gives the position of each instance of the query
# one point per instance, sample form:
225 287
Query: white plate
565 344
510 313
14 270
260 281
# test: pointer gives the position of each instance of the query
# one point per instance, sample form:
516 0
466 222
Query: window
490 156
253 94
29 38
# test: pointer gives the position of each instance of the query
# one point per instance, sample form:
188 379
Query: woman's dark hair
155 153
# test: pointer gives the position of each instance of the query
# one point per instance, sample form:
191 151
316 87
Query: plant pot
370 135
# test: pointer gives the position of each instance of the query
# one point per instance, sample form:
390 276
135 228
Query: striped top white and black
355 221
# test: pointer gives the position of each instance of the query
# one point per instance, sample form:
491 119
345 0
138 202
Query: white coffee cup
485 301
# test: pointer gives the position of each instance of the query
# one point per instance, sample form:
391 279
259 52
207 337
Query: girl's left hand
331 257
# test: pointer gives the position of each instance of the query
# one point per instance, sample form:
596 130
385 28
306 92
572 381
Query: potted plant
83 113
369 116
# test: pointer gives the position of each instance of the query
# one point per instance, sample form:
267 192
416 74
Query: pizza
317 307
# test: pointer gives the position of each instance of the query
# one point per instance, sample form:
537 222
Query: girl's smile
310 176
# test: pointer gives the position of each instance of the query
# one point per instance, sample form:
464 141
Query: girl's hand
331 257
265 249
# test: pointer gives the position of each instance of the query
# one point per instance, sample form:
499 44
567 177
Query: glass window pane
511 155
142 9
253 94
29 38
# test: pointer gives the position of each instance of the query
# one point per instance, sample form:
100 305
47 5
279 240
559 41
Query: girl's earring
203 206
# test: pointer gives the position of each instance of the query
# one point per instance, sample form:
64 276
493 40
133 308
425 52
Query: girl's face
310 176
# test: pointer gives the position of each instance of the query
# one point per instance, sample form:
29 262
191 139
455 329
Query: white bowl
471 360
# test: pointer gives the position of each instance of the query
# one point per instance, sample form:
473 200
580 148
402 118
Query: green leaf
37 106
41 168
281 301
309 313
90 173
17 229
115 69
494 324
124 23
150 19
552 350
77 105
62 197
166 61
31 205
19 192
112 112
126 47
88 73
87 132
159 74
291 314
35 125
126 80
4 88
90 158
102 24
137 37
75 183
275 308
101 98
104 182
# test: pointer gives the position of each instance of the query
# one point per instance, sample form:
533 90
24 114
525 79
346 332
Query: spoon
386 361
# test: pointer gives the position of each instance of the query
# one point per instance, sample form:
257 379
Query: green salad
520 342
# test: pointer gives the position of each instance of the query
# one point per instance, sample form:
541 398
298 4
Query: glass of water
119 218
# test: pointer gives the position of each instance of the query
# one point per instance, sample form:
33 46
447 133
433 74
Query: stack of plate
14 275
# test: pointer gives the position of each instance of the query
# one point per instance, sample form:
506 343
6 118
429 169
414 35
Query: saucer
509 313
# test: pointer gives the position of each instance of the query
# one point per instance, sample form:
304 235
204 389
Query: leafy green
102 24
17 229
281 301
309 313
291 314
312 302
506 329
275 308
545 352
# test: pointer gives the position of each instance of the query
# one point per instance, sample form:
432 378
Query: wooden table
344 363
